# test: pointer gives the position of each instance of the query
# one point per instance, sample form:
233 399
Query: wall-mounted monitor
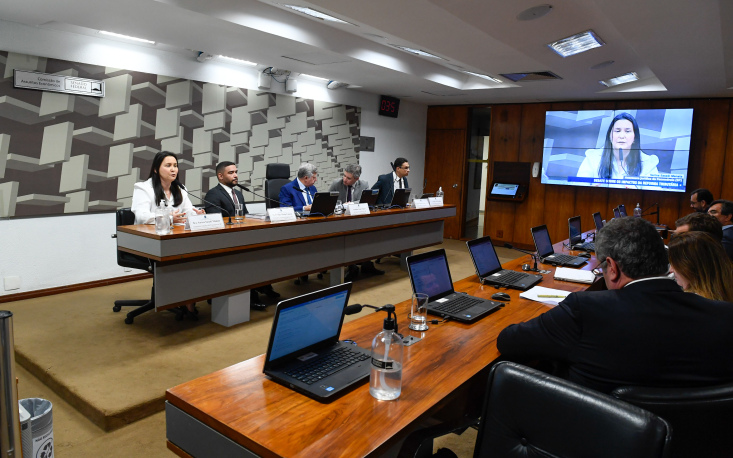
635 149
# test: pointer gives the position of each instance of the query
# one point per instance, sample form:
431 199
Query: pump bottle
385 380
637 211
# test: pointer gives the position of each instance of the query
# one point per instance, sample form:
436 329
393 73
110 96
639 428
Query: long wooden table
238 410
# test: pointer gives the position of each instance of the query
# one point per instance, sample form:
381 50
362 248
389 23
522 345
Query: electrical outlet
11 283
499 234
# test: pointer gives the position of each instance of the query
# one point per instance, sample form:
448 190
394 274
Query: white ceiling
678 47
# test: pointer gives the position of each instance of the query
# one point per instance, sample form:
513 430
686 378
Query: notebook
489 270
429 274
598 221
576 236
324 203
304 352
574 275
547 254
369 197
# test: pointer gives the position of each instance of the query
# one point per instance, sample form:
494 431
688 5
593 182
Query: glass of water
238 213
339 207
419 312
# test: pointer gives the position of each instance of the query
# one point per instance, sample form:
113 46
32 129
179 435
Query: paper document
576 275
534 294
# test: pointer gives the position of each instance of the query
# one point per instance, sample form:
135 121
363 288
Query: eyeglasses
598 271
405 168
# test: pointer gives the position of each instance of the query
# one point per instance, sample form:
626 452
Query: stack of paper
545 295
576 275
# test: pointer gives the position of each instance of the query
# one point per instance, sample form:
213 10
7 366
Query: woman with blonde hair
701 266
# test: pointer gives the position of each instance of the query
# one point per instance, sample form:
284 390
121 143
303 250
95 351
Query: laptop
304 352
598 221
369 197
622 210
576 236
616 213
324 203
547 254
489 270
401 197
429 274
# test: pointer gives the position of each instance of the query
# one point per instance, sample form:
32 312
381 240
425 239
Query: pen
551 295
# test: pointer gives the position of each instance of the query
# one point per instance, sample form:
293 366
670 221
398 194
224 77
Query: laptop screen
429 274
616 213
575 231
542 241
622 210
598 220
484 256
302 324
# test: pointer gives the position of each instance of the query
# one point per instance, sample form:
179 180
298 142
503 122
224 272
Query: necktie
309 195
234 197
348 195
401 184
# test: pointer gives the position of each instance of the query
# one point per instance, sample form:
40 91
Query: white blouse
144 204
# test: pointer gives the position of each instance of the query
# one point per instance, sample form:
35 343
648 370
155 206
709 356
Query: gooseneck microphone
356 308
655 212
534 256
262 197
207 202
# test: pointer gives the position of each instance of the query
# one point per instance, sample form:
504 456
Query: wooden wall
517 133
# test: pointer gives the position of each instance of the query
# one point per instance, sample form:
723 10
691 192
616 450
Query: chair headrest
277 171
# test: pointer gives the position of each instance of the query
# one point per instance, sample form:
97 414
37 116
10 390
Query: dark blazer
650 333
218 196
728 242
292 196
385 184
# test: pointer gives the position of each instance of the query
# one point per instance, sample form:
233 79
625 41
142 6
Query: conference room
69 162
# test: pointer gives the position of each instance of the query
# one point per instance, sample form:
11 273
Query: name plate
421 203
435 201
281 214
204 222
357 209
57 83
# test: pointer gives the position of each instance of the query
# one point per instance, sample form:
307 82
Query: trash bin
41 427
26 437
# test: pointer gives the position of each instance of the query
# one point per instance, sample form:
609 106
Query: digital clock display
389 106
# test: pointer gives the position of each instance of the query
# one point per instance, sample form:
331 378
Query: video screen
634 149
504 189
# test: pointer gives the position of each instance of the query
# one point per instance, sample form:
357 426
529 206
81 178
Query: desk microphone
207 202
534 256
656 212
279 204
356 308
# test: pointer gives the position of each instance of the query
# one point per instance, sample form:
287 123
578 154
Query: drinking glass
239 212
339 207
419 312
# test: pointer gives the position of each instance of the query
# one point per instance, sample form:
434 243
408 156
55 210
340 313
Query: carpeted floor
107 380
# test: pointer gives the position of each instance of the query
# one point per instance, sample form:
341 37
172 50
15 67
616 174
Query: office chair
530 413
125 217
701 417
276 176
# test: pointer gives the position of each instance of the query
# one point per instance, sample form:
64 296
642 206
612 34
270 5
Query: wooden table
238 409
193 266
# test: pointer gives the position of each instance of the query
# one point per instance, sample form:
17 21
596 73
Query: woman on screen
621 156
701 266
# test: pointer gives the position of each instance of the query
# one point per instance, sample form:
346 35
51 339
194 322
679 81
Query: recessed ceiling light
239 61
316 14
419 52
576 44
486 77
535 12
627 78
126 37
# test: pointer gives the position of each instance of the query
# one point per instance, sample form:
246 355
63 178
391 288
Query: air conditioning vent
531 76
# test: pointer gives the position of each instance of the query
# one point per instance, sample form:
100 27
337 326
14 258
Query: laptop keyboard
563 258
456 305
328 364
512 277
585 246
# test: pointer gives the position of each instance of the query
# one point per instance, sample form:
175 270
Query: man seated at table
722 210
644 330
299 192
226 196
388 182
699 222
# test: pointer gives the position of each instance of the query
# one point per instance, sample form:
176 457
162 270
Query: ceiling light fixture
419 52
126 37
486 77
239 61
627 78
316 14
577 43
314 77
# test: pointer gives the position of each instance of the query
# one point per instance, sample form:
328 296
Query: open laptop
429 274
324 203
304 352
547 254
576 236
369 197
598 221
401 197
489 270
616 213
622 210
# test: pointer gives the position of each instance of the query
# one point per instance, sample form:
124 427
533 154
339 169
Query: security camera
335 84
204 56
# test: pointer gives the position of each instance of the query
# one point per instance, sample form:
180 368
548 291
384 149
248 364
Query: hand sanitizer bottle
385 381
162 219
440 192
638 211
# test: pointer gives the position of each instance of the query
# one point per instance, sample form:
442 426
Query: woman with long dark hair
701 266
162 184
621 155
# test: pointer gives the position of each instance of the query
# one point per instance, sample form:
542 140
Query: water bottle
162 219
440 192
385 380
637 211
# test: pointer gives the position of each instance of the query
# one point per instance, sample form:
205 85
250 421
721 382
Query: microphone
656 212
534 256
356 308
263 197
206 201
621 154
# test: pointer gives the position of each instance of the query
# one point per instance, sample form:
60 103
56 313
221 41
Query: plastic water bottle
385 380
440 192
162 219
637 211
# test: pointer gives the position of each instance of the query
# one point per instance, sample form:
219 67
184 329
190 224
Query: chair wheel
129 320
116 308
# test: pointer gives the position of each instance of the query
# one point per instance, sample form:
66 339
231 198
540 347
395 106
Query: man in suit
702 222
700 200
388 182
225 195
299 192
722 210
644 330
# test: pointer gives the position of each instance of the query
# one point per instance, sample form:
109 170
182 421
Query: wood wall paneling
447 117
445 165
726 191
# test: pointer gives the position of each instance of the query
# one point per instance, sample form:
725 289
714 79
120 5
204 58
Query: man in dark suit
722 210
388 182
700 200
299 192
644 330
225 195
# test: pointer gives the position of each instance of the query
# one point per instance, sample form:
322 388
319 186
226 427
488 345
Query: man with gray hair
644 330
350 186
299 192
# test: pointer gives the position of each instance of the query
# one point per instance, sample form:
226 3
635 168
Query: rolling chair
530 413
125 217
701 417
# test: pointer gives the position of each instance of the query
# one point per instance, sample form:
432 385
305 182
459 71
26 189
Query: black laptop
576 236
324 203
616 213
369 197
598 221
622 210
429 274
401 197
547 254
489 270
304 352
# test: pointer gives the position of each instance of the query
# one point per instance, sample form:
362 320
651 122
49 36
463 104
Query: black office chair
530 413
276 176
125 217
701 417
